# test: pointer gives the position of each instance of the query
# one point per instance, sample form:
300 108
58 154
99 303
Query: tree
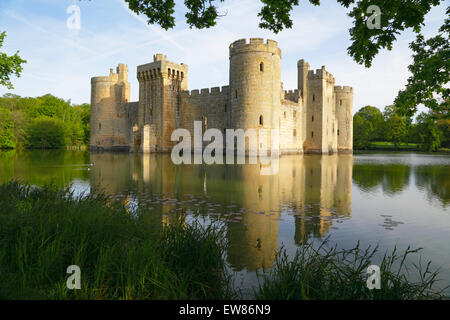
84 112
9 65
444 126
429 134
362 130
46 133
275 15
6 130
395 129
20 123
375 117
430 71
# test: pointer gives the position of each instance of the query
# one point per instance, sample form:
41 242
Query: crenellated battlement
159 57
291 95
320 74
206 91
343 89
303 63
255 44
150 74
122 71
162 68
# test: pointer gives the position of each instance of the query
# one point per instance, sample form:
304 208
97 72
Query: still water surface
387 199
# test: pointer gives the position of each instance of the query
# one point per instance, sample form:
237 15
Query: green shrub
46 133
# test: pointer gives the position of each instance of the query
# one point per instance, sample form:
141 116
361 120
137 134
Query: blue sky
62 61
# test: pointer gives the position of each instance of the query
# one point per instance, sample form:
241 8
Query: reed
321 272
44 230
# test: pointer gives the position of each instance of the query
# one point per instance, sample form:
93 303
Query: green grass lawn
384 145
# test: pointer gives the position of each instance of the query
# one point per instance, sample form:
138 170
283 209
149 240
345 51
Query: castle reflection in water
312 190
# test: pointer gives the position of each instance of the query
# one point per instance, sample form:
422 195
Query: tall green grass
125 255
328 273
121 256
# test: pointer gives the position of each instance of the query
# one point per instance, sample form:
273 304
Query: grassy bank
388 146
43 231
122 255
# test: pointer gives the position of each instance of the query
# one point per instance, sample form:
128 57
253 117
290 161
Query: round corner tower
255 79
107 95
344 115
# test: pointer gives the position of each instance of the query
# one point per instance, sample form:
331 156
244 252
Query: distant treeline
45 122
430 131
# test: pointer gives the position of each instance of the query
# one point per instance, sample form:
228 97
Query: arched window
261 120
314 98
261 67
338 131
285 114
99 126
295 132
235 94
312 134
340 102
312 119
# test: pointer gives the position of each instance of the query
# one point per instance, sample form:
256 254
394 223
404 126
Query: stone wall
255 86
321 122
314 118
210 106
344 112
109 128
291 140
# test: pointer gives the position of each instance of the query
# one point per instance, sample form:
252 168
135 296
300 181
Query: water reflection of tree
368 176
6 166
392 178
396 178
41 167
436 181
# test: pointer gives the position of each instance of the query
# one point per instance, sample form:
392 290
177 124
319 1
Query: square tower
160 86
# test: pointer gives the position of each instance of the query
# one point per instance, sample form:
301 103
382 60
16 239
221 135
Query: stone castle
314 118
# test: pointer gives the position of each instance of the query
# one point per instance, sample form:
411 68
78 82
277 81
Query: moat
387 199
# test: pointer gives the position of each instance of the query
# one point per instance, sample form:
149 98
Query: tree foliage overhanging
430 70
9 65
275 15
